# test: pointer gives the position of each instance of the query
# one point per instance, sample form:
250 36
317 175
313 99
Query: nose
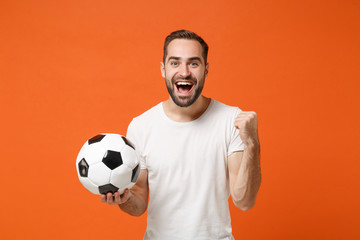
184 71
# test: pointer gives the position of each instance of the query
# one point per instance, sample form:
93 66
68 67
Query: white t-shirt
187 171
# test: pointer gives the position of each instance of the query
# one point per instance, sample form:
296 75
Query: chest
187 152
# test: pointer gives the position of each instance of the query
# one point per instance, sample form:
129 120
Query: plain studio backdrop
72 69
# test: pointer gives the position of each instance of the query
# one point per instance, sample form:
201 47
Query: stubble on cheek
183 101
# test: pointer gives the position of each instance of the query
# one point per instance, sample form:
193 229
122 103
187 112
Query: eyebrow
191 59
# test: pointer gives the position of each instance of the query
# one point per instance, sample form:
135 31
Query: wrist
252 144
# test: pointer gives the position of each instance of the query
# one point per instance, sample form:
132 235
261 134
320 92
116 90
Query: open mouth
184 87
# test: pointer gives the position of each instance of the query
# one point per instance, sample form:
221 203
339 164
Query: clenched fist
246 122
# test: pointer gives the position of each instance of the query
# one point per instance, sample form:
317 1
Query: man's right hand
133 202
116 198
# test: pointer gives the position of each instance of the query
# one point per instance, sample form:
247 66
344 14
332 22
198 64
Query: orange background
72 69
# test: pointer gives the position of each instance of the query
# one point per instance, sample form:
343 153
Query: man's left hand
246 122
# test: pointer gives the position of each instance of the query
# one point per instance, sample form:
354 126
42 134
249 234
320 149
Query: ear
162 69
206 69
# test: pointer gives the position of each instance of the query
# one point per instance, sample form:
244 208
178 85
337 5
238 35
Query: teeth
184 83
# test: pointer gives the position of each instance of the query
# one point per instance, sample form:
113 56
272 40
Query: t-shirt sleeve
132 135
235 141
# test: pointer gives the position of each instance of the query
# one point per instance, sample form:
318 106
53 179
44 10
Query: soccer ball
107 163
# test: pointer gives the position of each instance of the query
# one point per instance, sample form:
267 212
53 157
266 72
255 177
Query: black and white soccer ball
107 163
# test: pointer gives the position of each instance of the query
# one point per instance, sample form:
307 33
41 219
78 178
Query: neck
186 114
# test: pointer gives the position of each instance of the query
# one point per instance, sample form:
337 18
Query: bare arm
133 201
245 178
244 167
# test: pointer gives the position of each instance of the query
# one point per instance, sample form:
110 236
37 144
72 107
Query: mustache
188 78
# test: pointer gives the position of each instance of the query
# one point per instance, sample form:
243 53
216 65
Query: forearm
248 179
135 205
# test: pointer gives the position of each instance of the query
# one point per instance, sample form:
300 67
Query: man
194 153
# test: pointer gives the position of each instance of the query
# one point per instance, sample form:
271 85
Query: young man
194 153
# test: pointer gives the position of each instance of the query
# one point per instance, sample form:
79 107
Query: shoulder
142 121
225 109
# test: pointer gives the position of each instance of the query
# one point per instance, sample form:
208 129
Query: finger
246 119
247 114
109 198
125 196
239 119
117 198
103 198
240 122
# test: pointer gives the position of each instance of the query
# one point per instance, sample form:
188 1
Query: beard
185 101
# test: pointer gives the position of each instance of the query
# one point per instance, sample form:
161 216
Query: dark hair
185 34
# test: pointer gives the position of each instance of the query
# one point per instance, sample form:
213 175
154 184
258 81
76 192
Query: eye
174 63
194 64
